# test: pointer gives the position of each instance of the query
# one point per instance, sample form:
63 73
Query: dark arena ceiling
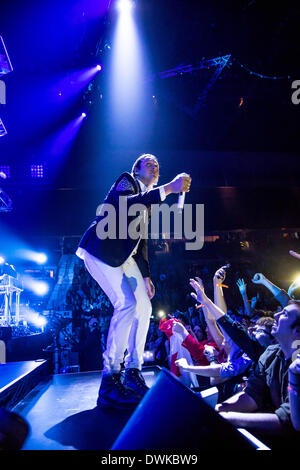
235 126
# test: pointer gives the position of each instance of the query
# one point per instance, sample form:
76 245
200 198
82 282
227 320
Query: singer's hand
181 183
149 287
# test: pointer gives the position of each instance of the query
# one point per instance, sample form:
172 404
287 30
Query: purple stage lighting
37 171
73 83
60 144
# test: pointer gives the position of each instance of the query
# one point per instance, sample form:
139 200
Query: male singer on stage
120 266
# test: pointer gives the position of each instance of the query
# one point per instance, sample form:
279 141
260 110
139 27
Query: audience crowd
247 348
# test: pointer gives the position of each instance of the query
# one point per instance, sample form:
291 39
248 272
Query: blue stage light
30 255
39 321
41 258
125 5
39 287
33 317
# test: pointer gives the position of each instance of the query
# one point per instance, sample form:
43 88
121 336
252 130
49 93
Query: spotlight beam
124 6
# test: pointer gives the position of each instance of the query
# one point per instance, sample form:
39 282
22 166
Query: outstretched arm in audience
239 411
234 330
213 328
202 298
241 402
281 296
210 319
219 298
243 291
267 422
213 370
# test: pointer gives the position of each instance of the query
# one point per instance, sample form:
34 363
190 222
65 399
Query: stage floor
63 415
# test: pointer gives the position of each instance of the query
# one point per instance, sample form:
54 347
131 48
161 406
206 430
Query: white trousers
129 325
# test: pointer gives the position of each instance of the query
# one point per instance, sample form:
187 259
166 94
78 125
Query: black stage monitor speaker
13 430
171 416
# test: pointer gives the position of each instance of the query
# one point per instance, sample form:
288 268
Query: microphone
181 195
181 198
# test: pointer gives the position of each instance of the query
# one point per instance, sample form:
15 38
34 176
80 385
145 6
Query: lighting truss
5 67
218 63
6 204
3 131
5 63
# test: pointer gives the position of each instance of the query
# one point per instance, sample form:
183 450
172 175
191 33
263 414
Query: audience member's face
262 335
283 329
199 333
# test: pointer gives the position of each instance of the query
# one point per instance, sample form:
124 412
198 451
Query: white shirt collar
143 186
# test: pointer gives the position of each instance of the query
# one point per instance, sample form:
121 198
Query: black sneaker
113 394
134 380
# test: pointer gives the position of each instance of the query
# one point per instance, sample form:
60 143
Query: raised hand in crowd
220 275
242 286
199 293
211 353
182 363
294 286
180 329
280 295
243 291
208 310
259 278
218 279
253 301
